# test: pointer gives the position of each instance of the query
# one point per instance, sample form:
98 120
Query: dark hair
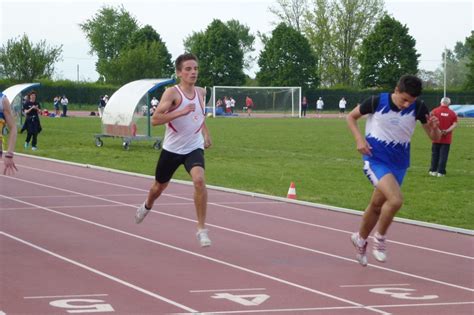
32 92
410 84
182 58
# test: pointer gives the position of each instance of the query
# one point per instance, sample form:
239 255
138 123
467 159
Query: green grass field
265 155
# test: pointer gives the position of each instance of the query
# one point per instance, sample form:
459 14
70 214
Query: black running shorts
169 162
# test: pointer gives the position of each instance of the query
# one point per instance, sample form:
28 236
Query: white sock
379 236
360 241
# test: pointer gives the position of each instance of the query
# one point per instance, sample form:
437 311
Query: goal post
268 100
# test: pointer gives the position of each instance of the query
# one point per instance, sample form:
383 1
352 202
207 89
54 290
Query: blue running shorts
375 170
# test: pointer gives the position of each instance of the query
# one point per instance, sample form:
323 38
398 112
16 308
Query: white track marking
227 290
63 296
304 310
100 273
373 285
320 252
198 255
255 213
223 190
244 233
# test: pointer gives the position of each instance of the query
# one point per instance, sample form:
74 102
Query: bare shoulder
172 95
170 98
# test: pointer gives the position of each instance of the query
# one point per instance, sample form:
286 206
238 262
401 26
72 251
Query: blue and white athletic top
389 130
2 116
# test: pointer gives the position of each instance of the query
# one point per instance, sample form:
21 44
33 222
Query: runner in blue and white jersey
391 121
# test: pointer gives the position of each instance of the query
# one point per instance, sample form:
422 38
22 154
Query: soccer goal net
265 101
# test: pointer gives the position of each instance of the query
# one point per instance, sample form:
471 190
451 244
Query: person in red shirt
249 105
440 148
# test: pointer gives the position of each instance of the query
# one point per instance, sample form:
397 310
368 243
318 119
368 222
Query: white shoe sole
380 257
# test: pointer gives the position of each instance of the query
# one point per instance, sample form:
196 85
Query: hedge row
76 92
89 93
331 97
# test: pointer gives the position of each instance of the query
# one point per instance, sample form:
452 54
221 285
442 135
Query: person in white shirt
228 107
182 110
64 102
319 107
154 104
342 107
232 104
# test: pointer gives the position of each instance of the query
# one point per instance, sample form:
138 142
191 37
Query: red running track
69 244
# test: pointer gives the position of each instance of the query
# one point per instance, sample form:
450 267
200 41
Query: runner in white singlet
181 109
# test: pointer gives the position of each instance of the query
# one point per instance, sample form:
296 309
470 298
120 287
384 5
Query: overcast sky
434 24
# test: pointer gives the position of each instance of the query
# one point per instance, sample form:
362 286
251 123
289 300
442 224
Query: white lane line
278 310
336 230
327 308
250 235
374 285
71 196
223 190
257 213
62 296
320 252
100 273
198 255
90 206
424 304
227 290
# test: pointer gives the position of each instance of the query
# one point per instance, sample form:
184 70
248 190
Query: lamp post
445 53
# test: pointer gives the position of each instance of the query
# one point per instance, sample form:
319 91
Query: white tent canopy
121 105
15 91
14 96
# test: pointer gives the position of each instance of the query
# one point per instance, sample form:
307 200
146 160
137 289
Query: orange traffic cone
291 191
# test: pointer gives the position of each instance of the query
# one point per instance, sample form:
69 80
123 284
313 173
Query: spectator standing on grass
6 118
391 121
319 107
64 103
182 110
228 108
304 106
32 125
56 102
249 104
232 104
448 120
342 107
101 105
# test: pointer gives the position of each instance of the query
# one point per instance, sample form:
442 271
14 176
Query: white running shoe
361 250
203 238
141 213
432 173
379 250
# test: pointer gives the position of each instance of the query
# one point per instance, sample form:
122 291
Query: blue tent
463 110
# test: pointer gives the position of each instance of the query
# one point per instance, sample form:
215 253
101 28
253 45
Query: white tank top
183 134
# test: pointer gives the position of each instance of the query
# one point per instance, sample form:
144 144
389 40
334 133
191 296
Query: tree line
315 43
